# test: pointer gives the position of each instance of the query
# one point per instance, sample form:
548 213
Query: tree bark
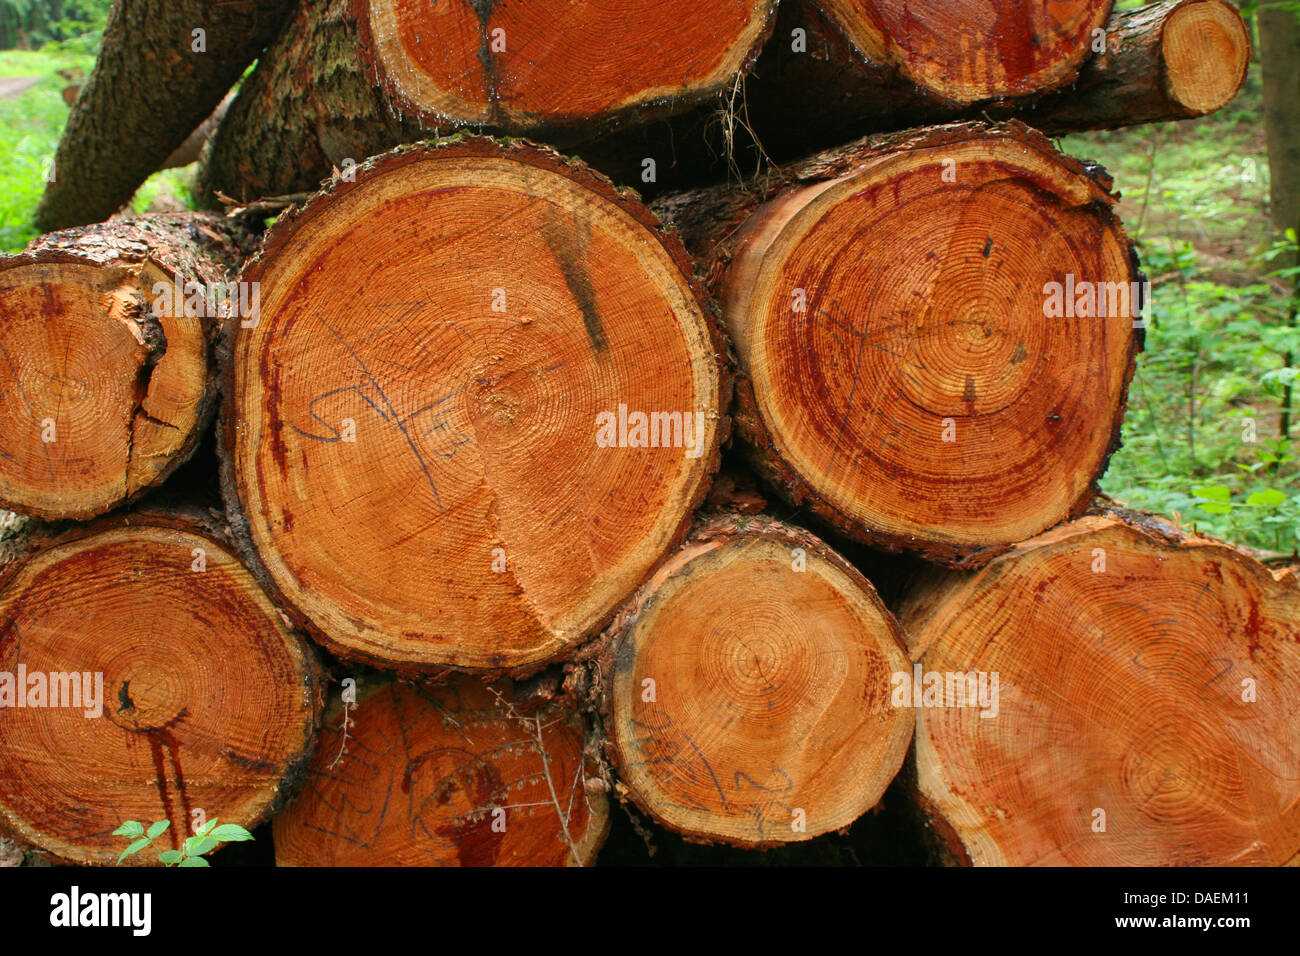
751 688
208 702
352 78
431 438
905 371
1141 714
190 150
1279 55
150 89
106 384
458 775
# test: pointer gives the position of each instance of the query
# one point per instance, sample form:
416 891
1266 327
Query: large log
1142 709
459 775
351 78
155 82
438 439
906 372
751 688
107 382
144 676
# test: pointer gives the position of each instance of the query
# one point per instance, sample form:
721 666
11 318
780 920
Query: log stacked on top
470 422
901 373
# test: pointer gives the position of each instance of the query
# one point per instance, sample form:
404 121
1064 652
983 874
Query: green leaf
171 857
157 829
131 828
197 846
1215 507
1212 493
194 861
230 833
206 828
135 847
1268 498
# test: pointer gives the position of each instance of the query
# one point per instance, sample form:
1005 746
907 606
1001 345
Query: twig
347 722
536 727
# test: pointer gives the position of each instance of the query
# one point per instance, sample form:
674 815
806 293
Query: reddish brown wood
195 698
460 775
418 433
1143 715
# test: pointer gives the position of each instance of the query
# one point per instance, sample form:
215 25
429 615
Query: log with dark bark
751 688
350 78
107 383
909 372
457 775
155 82
482 402
144 676
1138 711
190 150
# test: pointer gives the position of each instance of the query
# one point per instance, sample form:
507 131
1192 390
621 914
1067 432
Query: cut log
446 776
1142 708
910 368
452 441
971 51
351 78
163 67
107 382
1168 61
751 688
144 676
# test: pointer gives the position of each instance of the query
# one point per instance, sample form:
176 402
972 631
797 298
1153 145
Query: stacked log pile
463 570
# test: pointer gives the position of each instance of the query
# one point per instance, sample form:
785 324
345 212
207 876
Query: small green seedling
206 839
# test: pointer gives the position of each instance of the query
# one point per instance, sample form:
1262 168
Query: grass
30 126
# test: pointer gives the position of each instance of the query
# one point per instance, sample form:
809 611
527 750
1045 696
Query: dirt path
11 86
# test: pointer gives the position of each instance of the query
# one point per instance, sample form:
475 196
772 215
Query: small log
460 775
157 682
107 383
1168 61
482 402
751 688
905 372
1142 708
